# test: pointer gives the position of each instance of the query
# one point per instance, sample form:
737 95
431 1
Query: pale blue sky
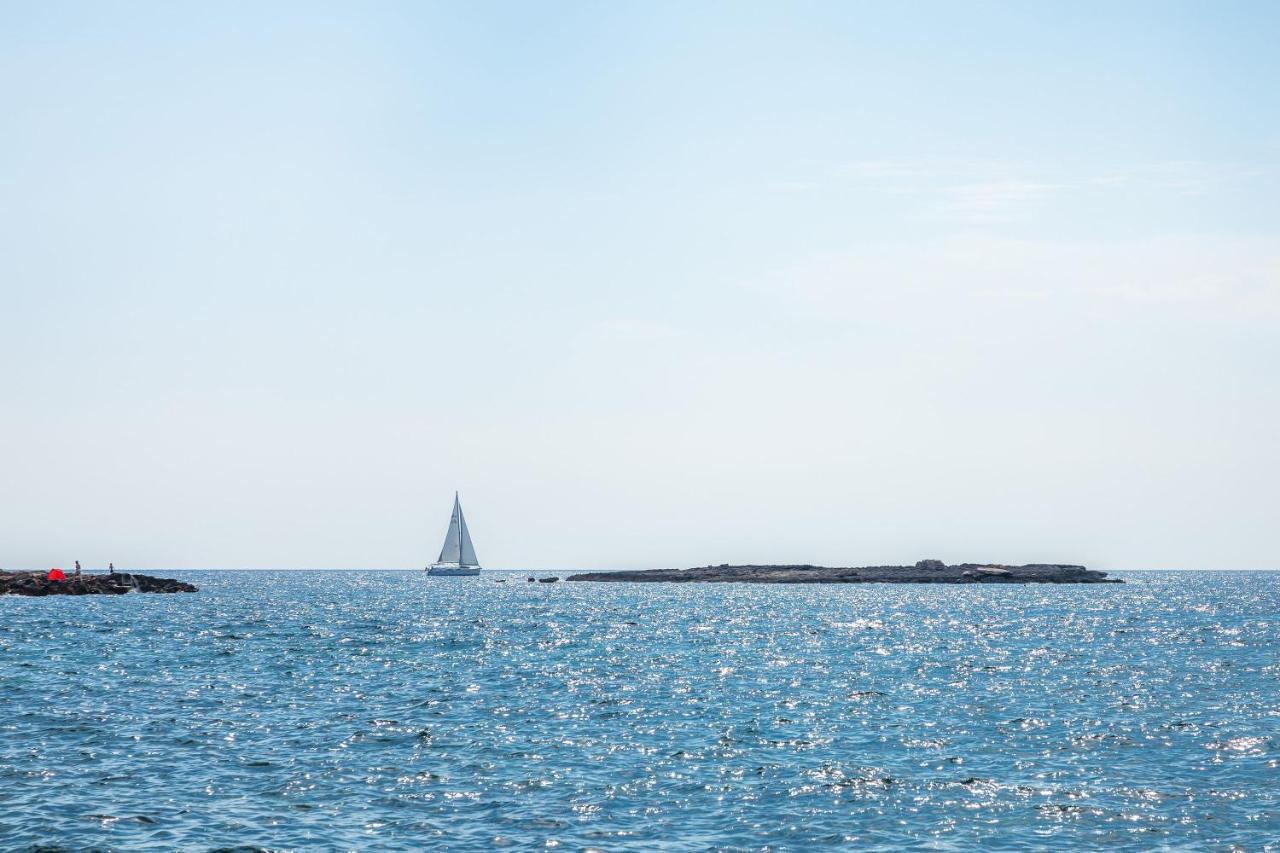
651 284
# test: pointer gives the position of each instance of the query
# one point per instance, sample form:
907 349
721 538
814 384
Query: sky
650 284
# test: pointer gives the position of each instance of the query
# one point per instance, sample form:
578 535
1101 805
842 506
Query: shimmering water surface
386 710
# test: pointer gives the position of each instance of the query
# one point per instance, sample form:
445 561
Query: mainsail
457 542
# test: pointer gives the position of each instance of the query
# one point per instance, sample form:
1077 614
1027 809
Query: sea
384 710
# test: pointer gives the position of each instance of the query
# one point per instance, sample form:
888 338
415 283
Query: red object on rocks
57 575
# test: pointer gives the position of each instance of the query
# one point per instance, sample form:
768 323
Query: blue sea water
386 710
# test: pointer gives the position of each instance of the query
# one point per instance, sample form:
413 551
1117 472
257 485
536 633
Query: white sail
458 549
451 552
468 551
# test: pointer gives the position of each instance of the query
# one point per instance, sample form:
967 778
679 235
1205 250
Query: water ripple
368 709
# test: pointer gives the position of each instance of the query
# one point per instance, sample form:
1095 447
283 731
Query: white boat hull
452 571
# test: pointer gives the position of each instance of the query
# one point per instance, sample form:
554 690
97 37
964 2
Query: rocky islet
925 571
39 584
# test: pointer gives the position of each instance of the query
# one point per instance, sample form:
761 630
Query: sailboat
458 556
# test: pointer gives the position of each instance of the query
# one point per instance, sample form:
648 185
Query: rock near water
36 583
925 571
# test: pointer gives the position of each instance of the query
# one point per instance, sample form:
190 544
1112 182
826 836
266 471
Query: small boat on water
458 556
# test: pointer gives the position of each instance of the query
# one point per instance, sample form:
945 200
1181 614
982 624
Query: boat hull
453 571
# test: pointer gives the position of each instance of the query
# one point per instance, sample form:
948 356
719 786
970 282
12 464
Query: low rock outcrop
925 571
37 583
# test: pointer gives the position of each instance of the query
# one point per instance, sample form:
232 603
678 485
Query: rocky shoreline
38 583
925 571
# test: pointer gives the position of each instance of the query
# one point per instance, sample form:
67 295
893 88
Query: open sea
390 711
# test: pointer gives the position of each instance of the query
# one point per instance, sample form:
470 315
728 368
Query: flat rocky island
38 583
925 571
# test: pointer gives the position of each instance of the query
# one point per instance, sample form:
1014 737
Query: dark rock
37 583
925 571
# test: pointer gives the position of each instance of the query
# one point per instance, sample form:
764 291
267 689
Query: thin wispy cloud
994 201
971 192
988 192
1184 278
794 186
893 170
